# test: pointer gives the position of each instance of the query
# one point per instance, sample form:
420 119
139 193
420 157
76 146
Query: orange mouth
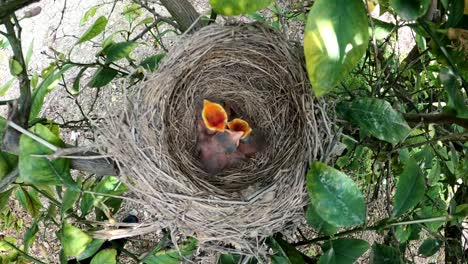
238 124
214 116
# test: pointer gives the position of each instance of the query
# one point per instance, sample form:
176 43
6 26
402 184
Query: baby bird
249 143
217 146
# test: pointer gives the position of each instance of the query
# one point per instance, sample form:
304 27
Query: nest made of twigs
152 137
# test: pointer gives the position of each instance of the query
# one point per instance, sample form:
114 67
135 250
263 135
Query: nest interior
152 136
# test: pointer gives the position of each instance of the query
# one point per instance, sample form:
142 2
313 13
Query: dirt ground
56 27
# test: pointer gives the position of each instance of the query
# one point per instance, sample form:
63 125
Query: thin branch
438 118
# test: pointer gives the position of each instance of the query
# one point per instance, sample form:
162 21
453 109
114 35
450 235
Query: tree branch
9 7
438 118
184 13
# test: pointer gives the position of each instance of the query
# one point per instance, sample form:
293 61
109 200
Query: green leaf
381 29
44 87
383 254
29 201
321 226
410 10
410 188
434 174
327 257
91 249
4 88
452 84
30 235
15 67
102 77
69 198
456 9
106 256
172 256
429 247
229 259
88 14
238 7
376 117
34 80
151 63
120 50
74 241
95 29
335 197
4 197
76 83
29 53
402 233
36 170
345 250
108 185
336 38
283 252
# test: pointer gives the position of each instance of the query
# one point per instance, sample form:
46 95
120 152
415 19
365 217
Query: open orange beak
238 124
214 116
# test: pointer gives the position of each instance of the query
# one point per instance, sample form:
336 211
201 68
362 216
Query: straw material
152 137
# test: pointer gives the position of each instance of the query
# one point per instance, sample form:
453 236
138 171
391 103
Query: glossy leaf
151 63
5 87
334 45
102 77
429 247
335 197
320 225
410 188
44 87
97 28
4 197
91 249
15 67
383 254
74 241
106 256
410 10
37 170
376 117
238 7
120 50
345 250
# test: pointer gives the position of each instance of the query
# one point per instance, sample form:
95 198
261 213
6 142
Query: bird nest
152 137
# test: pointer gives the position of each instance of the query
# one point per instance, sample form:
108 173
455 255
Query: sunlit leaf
5 87
238 7
376 117
335 197
38 170
88 14
29 53
69 199
344 250
120 50
429 247
410 188
97 28
321 226
102 77
410 10
44 87
15 67
108 185
172 256
74 241
106 256
91 249
336 38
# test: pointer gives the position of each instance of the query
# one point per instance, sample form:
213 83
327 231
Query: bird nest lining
152 136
